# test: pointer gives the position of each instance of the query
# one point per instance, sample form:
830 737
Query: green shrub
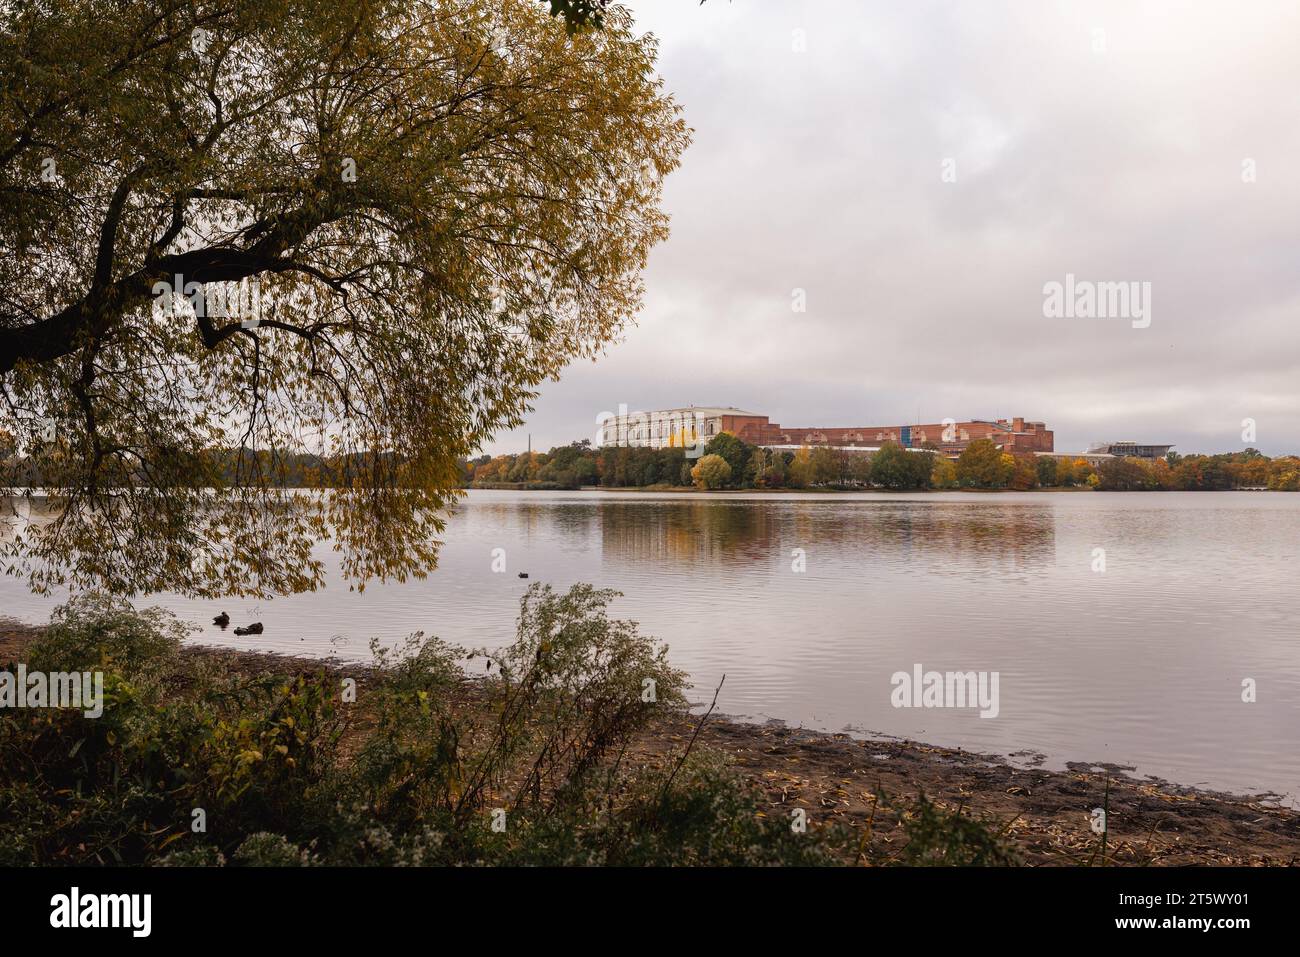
201 855
98 632
708 816
271 850
953 839
431 759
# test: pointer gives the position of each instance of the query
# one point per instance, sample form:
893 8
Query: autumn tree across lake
421 211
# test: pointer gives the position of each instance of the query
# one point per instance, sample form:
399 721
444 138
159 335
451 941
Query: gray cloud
821 170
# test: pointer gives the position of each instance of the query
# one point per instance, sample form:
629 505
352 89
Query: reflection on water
1141 665
20 512
990 538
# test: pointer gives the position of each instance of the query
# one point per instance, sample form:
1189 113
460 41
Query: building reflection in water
964 538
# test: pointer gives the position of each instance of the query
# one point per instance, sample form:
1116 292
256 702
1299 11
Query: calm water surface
1141 665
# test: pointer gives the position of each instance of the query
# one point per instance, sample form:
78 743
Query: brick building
1012 435
666 427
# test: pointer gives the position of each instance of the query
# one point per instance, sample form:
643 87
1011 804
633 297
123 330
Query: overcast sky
1113 141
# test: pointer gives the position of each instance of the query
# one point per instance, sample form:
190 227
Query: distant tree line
230 468
1247 469
729 462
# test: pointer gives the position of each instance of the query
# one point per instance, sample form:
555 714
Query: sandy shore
1046 814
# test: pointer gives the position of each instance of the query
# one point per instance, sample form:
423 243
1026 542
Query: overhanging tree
425 208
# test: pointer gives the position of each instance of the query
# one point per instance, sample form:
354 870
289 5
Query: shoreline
832 490
1045 814
820 490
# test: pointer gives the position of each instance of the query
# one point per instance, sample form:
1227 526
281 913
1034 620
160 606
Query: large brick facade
668 426
1014 435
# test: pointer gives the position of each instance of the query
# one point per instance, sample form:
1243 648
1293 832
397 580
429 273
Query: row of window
661 429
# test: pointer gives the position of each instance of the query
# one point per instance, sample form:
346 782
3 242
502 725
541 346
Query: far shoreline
830 490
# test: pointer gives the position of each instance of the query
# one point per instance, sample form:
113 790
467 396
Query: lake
1140 665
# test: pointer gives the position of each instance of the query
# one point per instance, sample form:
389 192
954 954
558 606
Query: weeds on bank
192 764
936 836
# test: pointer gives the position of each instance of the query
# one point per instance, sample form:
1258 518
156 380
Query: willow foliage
237 233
